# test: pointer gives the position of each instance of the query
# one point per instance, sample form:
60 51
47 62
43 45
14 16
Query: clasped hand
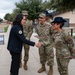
38 44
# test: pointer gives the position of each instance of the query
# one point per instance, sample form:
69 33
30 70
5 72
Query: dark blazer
16 39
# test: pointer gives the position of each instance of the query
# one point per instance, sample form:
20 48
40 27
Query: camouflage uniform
46 50
64 49
27 30
49 20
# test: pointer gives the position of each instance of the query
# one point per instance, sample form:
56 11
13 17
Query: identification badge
20 31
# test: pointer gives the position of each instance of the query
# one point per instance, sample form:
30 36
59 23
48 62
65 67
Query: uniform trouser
46 54
14 70
26 52
63 65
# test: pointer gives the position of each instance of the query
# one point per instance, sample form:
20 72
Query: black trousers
15 63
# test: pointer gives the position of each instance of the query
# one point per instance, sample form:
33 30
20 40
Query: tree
46 5
62 5
34 7
1 20
8 17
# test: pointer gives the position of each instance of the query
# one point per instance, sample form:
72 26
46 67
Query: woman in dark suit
15 42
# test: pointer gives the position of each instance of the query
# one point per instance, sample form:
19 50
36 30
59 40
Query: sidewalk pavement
33 63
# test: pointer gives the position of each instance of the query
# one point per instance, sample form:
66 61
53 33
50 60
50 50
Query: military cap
24 12
45 11
49 14
58 20
43 15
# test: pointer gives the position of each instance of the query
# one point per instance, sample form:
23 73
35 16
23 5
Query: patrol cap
58 20
45 11
42 15
24 12
49 14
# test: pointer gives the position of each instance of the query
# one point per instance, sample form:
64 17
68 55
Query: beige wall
70 15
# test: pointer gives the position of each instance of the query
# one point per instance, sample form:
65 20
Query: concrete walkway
33 63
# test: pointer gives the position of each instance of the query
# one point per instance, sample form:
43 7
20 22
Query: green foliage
5 29
34 7
63 5
8 17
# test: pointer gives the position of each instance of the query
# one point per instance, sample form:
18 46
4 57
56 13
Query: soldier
63 44
46 50
27 30
49 16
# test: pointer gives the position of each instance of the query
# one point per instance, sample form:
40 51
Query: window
66 24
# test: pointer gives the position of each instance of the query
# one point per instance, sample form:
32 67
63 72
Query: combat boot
25 65
50 71
42 68
20 64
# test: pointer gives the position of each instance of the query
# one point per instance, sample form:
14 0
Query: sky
7 6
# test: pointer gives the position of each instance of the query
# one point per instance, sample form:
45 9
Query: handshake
72 57
38 44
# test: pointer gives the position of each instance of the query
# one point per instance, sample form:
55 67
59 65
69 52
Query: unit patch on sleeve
20 31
